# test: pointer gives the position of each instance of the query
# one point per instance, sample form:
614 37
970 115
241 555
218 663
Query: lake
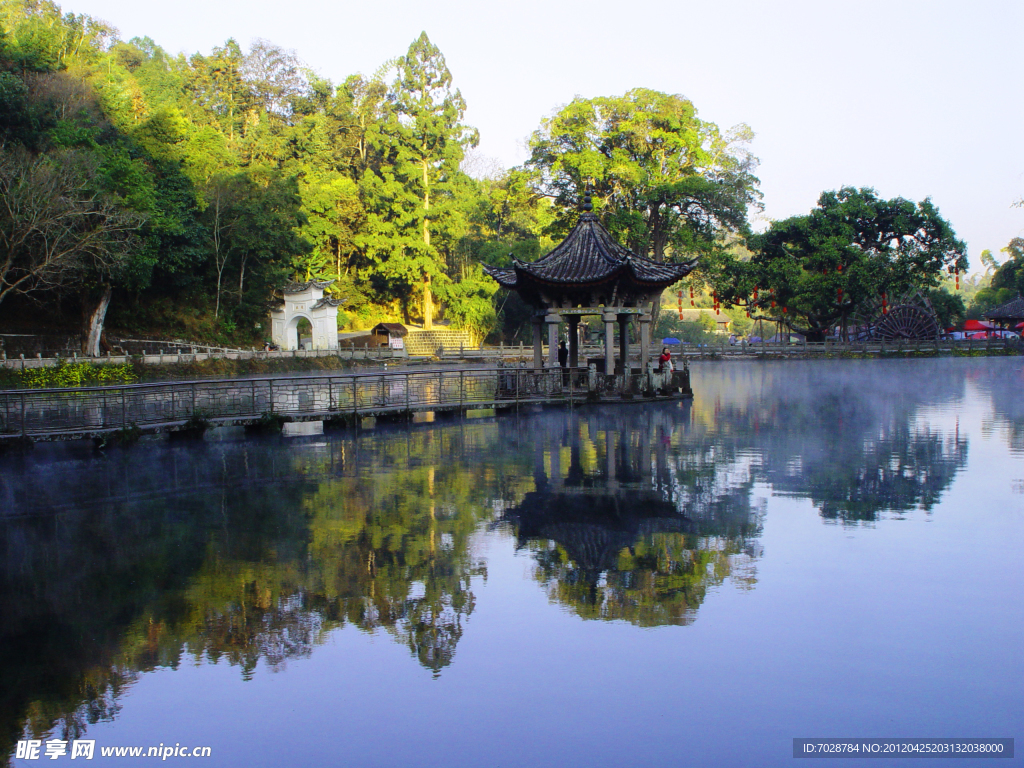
807 549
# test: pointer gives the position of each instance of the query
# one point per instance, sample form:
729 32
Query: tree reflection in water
1004 387
255 551
850 439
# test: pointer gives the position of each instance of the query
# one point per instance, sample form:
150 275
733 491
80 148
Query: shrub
78 374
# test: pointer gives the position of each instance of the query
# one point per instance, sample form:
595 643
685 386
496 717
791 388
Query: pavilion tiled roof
588 256
1011 310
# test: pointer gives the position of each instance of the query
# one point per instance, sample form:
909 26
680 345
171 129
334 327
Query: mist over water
820 548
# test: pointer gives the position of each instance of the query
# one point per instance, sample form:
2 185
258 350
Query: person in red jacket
665 360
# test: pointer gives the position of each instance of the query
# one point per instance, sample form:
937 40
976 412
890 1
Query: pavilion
1008 315
589 273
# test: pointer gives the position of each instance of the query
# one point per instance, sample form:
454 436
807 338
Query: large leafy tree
423 141
814 272
275 78
61 232
666 182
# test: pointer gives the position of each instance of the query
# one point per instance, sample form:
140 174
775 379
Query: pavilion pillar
574 341
556 463
624 343
553 320
609 452
609 342
645 458
645 341
538 344
661 457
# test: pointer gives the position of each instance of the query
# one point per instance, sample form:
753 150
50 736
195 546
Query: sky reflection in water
808 549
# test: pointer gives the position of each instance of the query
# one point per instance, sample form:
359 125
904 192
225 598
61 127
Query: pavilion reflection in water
624 530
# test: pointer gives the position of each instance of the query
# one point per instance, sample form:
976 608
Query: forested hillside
173 194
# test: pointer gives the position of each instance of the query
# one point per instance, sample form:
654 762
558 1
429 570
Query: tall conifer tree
426 138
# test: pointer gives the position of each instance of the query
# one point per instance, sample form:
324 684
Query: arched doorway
299 333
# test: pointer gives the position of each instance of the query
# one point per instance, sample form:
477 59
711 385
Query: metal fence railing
722 347
872 346
168 355
172 404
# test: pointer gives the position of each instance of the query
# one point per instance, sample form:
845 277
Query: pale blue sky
912 98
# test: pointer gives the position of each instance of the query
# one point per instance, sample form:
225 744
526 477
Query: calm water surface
807 549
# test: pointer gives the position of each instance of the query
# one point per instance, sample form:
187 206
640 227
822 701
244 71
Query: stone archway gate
306 301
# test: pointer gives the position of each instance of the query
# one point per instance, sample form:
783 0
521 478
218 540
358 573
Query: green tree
666 183
988 261
814 272
61 232
334 216
425 139
40 38
253 233
275 79
217 89
1005 283
1010 275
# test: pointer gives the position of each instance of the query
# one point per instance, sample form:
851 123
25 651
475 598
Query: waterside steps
30 415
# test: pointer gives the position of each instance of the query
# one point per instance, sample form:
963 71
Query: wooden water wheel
912 318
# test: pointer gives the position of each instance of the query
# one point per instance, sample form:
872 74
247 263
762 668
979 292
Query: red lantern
784 310
839 268
773 305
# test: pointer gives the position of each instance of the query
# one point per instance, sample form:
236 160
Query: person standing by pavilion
665 360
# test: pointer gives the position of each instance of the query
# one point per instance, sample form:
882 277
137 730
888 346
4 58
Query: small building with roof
306 301
390 334
589 273
1008 315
